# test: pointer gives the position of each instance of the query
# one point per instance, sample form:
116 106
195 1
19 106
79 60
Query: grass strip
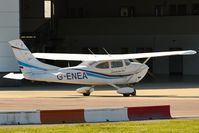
167 126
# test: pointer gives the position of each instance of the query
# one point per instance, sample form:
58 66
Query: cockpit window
91 63
115 64
127 62
103 65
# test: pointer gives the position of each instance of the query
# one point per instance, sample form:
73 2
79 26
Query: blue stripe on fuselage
30 66
101 75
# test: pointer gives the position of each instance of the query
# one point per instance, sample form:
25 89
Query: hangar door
175 63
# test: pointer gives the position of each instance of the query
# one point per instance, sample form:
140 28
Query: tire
126 95
134 93
86 94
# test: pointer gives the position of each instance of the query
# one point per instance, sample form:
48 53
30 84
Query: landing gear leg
134 93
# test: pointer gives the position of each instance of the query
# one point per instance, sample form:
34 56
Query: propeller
149 72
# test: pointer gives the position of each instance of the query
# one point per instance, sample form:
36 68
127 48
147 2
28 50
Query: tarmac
183 97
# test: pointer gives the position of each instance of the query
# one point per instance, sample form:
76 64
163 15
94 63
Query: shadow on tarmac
120 96
160 82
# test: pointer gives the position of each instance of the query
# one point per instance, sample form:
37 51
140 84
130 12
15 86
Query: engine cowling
83 90
126 90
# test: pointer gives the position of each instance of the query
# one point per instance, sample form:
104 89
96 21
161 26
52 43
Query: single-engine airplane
95 69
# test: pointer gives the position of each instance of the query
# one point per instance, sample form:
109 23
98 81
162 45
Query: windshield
127 62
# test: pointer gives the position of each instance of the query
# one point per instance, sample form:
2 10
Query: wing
101 57
18 76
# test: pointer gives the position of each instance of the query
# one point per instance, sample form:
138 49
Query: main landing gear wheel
126 95
86 94
85 91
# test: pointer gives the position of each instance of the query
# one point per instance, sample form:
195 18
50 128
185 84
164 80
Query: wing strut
146 60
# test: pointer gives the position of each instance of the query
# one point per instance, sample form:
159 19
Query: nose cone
142 72
138 67
144 67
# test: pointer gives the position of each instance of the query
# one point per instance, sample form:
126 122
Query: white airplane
110 69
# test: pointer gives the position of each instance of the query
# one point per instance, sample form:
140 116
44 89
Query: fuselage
95 73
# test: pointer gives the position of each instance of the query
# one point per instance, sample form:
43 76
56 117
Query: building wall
114 34
9 30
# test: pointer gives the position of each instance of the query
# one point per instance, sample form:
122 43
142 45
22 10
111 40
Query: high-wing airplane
110 69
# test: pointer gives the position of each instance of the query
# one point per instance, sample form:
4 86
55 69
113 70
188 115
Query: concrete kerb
84 115
62 116
106 114
20 117
149 112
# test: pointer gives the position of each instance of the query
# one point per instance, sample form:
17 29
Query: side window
116 64
127 62
103 65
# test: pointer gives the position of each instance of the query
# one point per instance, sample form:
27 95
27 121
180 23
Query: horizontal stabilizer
18 76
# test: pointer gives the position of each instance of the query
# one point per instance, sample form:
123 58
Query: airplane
95 69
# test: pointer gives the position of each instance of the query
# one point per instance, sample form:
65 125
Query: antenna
68 64
106 51
91 51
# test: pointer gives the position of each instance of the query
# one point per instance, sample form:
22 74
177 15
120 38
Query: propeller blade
152 75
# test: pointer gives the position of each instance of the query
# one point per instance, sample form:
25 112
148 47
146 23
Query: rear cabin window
116 64
103 65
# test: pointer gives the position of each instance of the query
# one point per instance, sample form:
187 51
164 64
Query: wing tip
190 52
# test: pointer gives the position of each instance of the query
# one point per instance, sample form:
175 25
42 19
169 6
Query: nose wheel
125 91
130 94
134 93
86 94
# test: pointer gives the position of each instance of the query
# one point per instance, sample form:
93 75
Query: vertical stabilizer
26 61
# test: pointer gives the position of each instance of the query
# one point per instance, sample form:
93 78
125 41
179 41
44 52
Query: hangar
120 26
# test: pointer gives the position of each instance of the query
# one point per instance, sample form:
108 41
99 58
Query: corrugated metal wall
9 30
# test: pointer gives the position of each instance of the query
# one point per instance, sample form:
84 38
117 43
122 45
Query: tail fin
26 61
